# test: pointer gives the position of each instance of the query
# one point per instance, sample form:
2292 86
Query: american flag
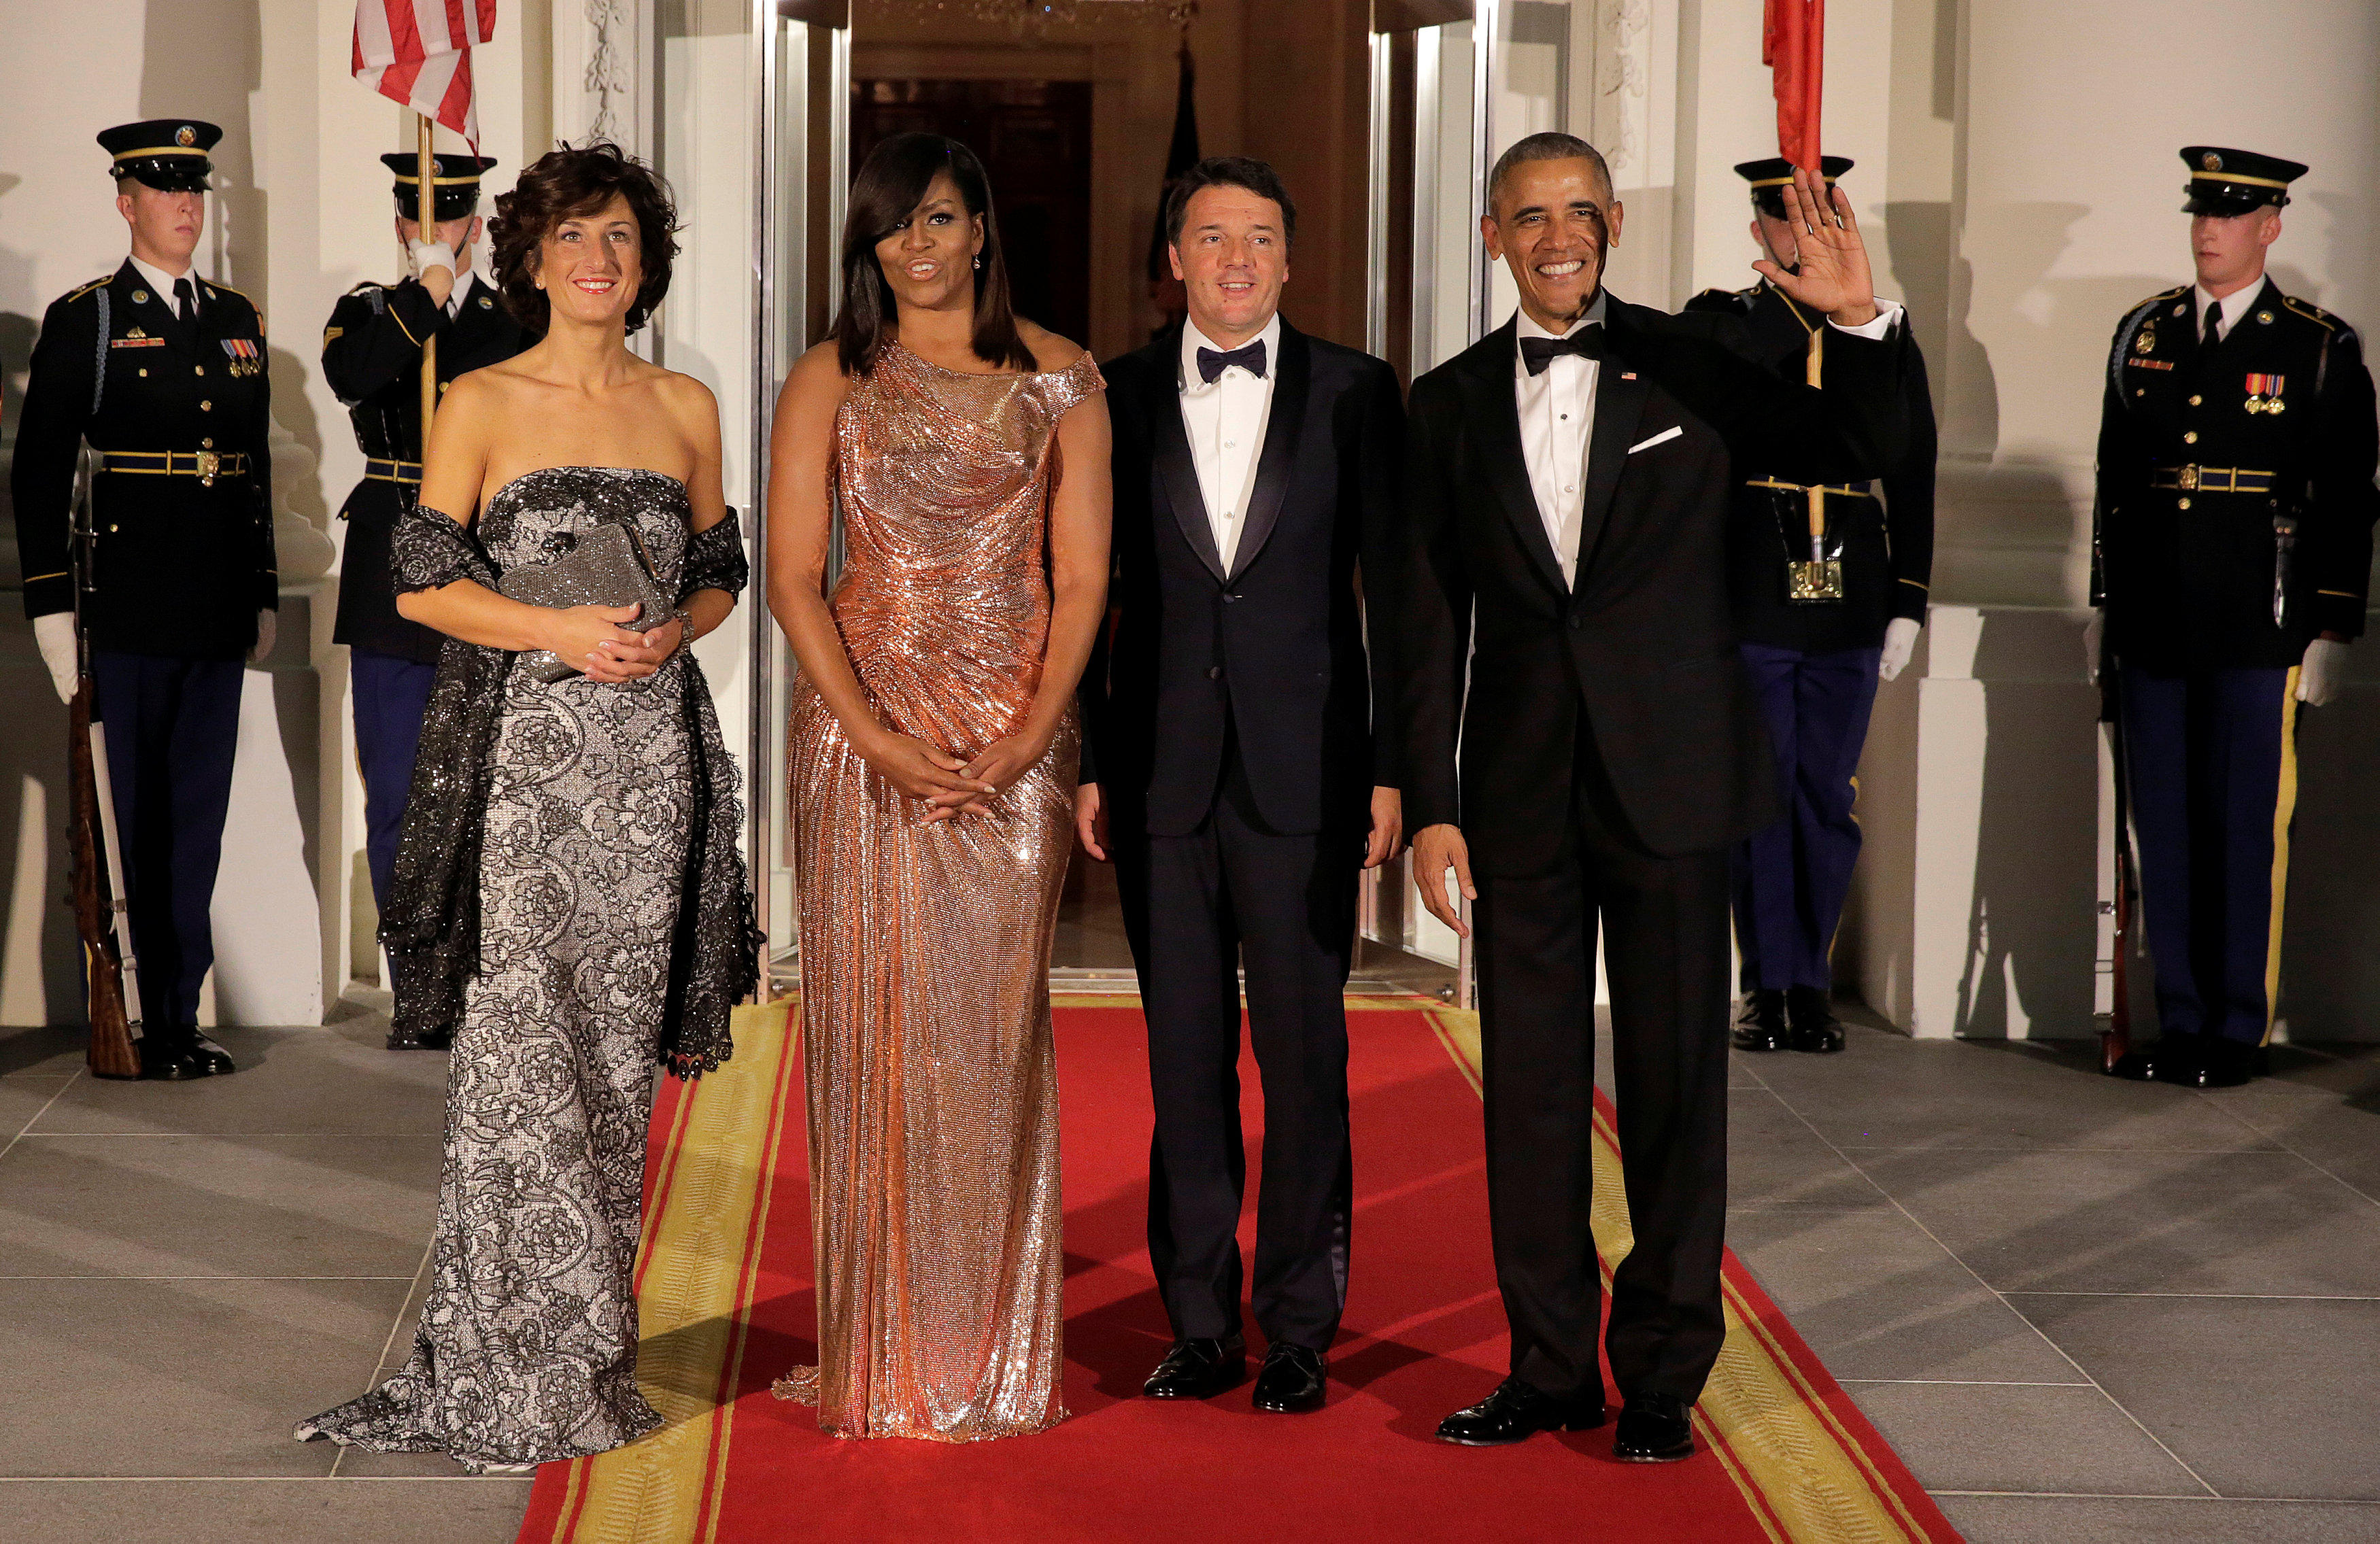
419 53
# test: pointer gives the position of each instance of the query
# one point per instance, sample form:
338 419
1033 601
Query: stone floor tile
470 1511
2089 1520
1774 1159
181 1378
2141 1221
1876 1299
1990 1437
342 1079
217 1206
2262 1397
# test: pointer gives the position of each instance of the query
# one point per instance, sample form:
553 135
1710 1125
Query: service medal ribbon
2265 394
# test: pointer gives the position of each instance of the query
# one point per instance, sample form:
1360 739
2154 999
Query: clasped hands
590 638
949 786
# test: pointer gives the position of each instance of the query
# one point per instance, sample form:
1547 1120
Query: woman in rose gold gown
932 749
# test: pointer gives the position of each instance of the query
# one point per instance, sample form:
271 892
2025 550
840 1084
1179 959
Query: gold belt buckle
209 463
2188 480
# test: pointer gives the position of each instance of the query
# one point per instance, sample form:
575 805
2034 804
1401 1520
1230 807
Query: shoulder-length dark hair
567 183
891 183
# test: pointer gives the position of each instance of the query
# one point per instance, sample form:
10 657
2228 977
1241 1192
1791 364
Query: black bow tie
1586 343
1250 357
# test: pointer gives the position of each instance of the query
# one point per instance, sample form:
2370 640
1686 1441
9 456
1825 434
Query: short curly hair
565 183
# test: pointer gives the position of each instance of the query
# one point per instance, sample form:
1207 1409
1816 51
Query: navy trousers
391 694
173 725
1791 877
2213 782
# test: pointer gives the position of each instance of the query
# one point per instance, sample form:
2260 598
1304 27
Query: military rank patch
2265 394
245 359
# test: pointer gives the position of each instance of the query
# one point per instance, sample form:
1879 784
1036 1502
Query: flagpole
425 167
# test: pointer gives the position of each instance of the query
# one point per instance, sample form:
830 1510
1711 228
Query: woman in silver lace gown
568 890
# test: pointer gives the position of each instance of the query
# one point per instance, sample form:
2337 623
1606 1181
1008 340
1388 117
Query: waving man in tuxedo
1566 510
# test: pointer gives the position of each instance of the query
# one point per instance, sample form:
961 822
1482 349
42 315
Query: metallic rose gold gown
933 1100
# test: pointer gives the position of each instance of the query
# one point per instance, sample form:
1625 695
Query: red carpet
728 1307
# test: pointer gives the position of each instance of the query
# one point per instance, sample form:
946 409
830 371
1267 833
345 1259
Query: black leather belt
392 472
204 465
1832 491
2211 479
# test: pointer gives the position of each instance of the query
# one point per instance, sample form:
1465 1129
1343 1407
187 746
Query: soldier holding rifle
162 371
372 349
2232 550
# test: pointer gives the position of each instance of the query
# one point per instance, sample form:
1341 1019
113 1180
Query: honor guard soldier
162 372
1829 589
371 356
2233 543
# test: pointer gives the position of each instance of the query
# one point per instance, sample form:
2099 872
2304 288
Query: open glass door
803 65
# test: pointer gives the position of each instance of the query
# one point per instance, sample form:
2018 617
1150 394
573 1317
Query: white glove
2094 633
427 255
56 635
2320 672
1900 641
266 626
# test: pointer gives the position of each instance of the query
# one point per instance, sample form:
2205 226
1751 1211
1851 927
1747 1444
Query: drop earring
978 262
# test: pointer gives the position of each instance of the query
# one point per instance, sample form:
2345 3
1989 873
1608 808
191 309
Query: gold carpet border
700 1254
1805 1477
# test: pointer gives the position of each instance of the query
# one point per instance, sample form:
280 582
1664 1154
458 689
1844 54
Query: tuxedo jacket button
1214 673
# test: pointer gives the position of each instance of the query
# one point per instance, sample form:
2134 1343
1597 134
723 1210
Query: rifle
111 969
2116 1038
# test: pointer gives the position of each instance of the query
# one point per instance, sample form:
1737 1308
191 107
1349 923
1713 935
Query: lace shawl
431 926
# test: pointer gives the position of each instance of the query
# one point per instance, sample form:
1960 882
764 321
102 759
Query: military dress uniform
371 356
2233 526
169 388
1813 663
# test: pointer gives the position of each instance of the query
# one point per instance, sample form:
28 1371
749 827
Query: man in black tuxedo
1567 499
1229 761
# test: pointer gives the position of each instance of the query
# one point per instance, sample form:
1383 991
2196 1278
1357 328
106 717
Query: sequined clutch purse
605 567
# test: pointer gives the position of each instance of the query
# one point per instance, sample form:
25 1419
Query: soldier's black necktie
2213 325
186 300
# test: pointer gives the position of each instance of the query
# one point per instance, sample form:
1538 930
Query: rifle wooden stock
113 1053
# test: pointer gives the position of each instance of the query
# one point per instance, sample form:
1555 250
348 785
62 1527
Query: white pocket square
1669 433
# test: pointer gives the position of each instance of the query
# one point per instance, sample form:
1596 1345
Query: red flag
419 53
1792 44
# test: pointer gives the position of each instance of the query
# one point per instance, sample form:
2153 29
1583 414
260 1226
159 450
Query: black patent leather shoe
1291 1381
421 1040
2169 1059
211 1060
1515 1412
1811 1024
2220 1064
166 1059
1761 1026
1198 1369
1654 1429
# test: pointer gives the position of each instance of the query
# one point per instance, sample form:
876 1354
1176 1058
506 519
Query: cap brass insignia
2265 317
2146 343
2211 161
186 136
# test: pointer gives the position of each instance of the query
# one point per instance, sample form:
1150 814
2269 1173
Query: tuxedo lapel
1169 449
1495 413
1620 398
1284 422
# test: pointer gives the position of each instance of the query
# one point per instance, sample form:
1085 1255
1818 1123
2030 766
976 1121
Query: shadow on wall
2331 970
41 980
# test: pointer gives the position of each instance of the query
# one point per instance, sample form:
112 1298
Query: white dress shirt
1225 419
463 281
1557 413
2236 304
1558 417
162 283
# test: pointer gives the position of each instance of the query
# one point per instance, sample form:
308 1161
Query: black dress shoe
421 1040
1292 1379
1198 1369
1811 1022
1515 1412
213 1059
2220 1064
1654 1429
166 1059
1761 1026
2171 1058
